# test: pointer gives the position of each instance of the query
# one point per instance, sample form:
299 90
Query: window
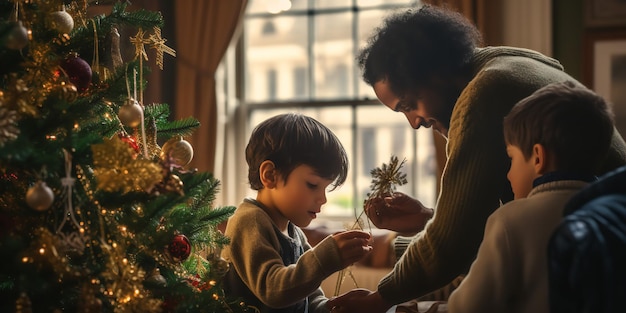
299 56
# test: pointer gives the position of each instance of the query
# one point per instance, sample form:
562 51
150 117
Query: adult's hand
358 300
398 212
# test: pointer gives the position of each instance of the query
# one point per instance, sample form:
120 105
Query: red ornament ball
130 141
78 71
179 248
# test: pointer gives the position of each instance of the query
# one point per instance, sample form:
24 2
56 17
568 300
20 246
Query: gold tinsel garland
117 168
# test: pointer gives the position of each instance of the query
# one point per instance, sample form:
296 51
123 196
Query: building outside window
300 56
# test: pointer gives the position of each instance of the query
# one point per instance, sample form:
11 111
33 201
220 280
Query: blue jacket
587 252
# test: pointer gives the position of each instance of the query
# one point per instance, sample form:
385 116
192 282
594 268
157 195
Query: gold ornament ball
61 21
40 196
131 113
177 151
18 37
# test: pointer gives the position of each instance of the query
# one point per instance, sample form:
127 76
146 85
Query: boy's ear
268 174
540 159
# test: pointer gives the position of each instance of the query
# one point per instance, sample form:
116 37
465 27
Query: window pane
333 52
308 54
366 3
276 48
326 4
368 20
382 134
275 6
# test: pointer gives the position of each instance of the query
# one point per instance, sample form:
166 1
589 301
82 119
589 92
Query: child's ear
540 159
268 174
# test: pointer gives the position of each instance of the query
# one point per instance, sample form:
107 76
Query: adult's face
429 109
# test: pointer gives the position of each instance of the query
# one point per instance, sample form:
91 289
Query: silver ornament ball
17 37
131 113
61 21
39 197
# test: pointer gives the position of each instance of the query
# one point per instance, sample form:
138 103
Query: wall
568 35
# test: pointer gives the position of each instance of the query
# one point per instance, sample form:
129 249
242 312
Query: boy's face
301 197
521 173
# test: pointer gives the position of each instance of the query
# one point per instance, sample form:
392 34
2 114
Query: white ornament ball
18 37
177 151
61 21
131 113
39 197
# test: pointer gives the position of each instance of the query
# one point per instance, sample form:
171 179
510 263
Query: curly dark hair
293 139
414 46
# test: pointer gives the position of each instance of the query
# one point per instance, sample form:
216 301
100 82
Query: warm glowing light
277 6
42 250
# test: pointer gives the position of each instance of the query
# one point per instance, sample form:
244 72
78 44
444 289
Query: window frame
245 109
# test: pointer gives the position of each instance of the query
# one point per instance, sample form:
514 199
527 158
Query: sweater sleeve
473 182
317 302
254 254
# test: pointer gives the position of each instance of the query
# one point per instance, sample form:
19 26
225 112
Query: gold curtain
204 30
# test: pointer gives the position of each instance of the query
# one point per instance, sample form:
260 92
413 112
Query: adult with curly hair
428 64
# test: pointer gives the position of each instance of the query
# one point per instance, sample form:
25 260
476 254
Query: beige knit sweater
474 180
257 272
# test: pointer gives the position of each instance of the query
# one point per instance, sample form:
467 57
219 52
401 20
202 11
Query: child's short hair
574 124
292 139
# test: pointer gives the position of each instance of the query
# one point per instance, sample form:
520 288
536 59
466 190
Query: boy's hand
353 245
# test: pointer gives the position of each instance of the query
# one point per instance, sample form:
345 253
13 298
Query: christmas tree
98 210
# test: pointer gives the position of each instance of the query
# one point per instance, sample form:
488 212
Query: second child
556 139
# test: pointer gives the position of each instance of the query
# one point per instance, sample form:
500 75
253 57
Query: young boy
292 160
555 138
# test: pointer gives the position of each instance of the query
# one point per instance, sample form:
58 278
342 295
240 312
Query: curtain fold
204 30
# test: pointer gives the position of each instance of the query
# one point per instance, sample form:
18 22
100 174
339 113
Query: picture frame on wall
605 13
605 70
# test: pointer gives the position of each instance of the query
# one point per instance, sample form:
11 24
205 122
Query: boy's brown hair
574 124
293 139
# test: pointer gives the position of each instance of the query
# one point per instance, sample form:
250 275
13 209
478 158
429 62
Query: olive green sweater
474 181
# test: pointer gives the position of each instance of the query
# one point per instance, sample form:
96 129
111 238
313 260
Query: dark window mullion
355 122
355 141
311 41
